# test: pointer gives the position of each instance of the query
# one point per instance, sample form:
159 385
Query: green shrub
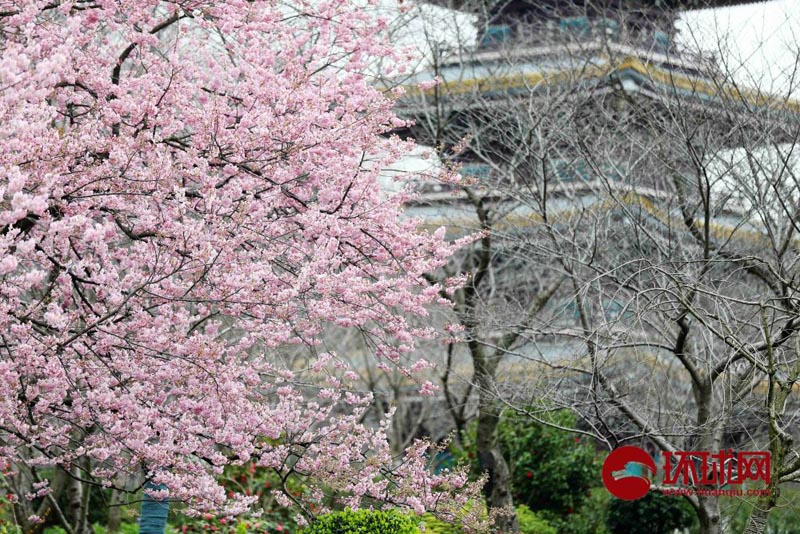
434 525
364 522
532 523
552 470
9 528
652 514
590 518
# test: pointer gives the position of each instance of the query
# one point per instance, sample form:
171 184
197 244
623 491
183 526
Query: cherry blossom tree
186 189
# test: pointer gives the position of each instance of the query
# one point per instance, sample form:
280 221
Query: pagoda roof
666 5
707 4
612 66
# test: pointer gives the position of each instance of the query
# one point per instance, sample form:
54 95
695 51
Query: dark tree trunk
114 512
498 485
490 454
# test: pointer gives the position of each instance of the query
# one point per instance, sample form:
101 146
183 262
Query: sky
759 40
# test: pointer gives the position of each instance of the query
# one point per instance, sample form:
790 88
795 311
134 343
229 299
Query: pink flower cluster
186 188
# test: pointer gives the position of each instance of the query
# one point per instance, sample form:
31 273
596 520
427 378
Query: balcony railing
575 29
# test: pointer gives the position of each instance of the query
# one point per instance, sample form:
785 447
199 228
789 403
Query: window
576 26
495 35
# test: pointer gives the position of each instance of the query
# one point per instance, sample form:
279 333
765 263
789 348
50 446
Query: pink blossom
428 389
8 264
193 209
429 84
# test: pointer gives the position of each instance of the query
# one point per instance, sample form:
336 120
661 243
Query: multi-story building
595 109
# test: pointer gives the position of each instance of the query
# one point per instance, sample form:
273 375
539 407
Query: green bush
550 469
434 525
364 522
590 518
652 514
9 528
532 523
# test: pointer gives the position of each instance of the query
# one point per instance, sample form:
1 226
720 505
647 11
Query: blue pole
153 519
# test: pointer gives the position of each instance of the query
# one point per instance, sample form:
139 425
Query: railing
575 29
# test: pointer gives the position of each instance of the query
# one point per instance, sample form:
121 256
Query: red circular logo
625 481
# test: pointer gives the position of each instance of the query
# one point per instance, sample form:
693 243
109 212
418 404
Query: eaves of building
631 73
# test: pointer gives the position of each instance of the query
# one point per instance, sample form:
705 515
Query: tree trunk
77 508
757 522
497 488
84 526
710 517
114 512
708 438
490 455
780 442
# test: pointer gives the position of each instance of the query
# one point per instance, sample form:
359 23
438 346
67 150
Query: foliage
434 525
364 522
652 514
129 528
9 528
551 469
590 518
553 472
531 522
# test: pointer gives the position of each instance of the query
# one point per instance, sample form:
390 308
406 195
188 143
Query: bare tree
638 209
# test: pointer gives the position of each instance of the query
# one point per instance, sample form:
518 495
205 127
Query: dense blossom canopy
187 188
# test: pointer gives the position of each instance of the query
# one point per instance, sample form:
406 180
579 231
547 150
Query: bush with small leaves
364 522
532 523
434 525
